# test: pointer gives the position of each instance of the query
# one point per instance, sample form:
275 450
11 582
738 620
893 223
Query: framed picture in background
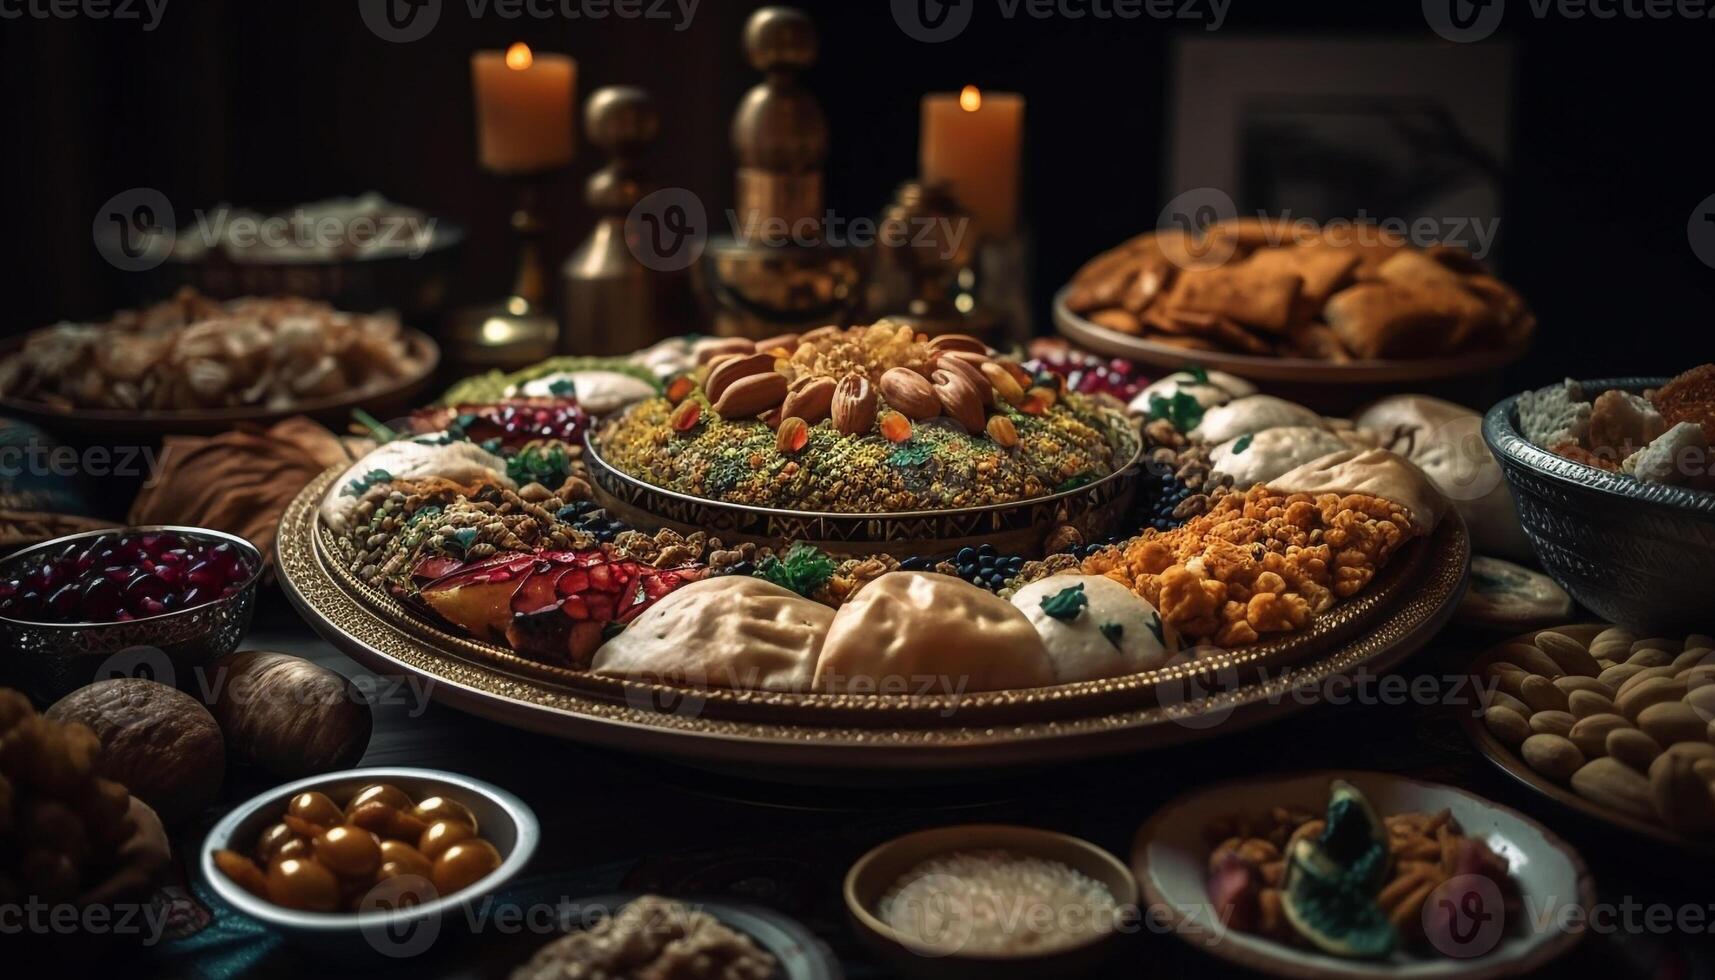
1403 132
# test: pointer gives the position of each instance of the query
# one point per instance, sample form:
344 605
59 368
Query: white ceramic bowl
1170 858
504 821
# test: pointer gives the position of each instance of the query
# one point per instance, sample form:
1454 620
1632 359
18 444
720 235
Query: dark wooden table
614 822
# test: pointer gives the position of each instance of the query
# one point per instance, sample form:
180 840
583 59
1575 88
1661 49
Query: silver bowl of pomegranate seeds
152 601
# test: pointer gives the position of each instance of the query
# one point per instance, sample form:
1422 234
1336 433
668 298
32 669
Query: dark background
275 103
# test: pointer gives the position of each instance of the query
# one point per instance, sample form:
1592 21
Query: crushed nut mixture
1258 562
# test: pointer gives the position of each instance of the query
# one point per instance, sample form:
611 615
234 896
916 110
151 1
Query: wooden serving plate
1328 386
1225 692
394 397
1170 859
1509 762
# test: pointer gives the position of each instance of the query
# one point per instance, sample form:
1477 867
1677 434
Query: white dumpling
923 633
1252 414
1262 456
597 392
734 631
1214 388
1113 631
413 459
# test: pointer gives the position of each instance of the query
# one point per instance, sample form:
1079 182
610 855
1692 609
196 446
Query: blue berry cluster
1160 495
591 518
983 566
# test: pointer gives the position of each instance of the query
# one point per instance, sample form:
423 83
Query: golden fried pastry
1260 298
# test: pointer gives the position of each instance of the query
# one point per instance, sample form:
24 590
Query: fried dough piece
1324 269
1254 297
1690 397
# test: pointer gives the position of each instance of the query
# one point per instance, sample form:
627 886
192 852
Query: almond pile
1286 288
1626 722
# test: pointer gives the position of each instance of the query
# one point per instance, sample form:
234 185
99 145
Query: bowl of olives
69 604
373 859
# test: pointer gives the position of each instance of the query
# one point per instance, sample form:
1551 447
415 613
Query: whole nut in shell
854 407
969 371
157 741
959 399
910 393
809 398
730 369
751 396
1003 383
1003 432
287 715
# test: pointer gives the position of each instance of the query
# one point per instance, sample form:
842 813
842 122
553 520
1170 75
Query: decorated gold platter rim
1513 764
1271 368
1430 577
392 391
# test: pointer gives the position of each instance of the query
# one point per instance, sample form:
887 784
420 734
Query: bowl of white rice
992 901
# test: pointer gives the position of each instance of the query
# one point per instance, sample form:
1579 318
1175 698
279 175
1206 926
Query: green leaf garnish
544 464
380 430
361 485
1082 479
1182 410
1112 632
563 388
1156 628
803 569
1244 443
911 452
1066 604
1198 373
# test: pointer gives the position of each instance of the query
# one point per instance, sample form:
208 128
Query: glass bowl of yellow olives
379 859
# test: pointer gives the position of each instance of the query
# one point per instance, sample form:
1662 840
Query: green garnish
563 388
376 427
1082 479
1066 604
1182 410
1198 373
464 537
1113 632
1156 628
911 452
361 485
803 569
1244 443
545 464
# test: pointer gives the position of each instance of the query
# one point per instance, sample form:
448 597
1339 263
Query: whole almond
1531 659
1694 657
1636 697
1665 643
1591 734
959 399
1701 675
958 341
1540 693
1552 755
1612 783
1673 721
1502 699
1005 434
1616 675
730 369
809 398
1002 381
1615 650
1692 750
1578 682
1552 722
787 342
1682 798
1507 725
1583 704
752 395
719 348
1571 655
1641 677
970 372
792 435
1651 657
854 406
1702 699
910 393
1633 747
1506 677
1615 634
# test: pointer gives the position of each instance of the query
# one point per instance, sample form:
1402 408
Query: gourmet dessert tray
866 546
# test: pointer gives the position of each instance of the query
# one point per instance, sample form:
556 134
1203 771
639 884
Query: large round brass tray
1019 527
1217 693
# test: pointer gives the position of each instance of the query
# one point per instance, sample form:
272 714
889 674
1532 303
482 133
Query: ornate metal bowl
1638 554
51 659
1019 527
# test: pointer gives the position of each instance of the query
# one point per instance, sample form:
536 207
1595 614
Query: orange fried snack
1689 397
1258 562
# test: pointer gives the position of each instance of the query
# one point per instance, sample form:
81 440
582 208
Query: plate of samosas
1279 300
194 365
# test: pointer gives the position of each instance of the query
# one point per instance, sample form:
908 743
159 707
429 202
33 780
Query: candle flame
518 57
971 98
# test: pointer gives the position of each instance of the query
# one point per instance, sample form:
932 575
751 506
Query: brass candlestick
614 303
514 331
922 274
775 274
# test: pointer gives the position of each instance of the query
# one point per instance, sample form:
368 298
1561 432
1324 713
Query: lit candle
523 108
971 140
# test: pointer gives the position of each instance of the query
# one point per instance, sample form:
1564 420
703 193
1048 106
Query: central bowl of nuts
849 438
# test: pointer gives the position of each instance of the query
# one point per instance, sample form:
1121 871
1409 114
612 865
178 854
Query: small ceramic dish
800 955
1170 858
504 821
875 872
